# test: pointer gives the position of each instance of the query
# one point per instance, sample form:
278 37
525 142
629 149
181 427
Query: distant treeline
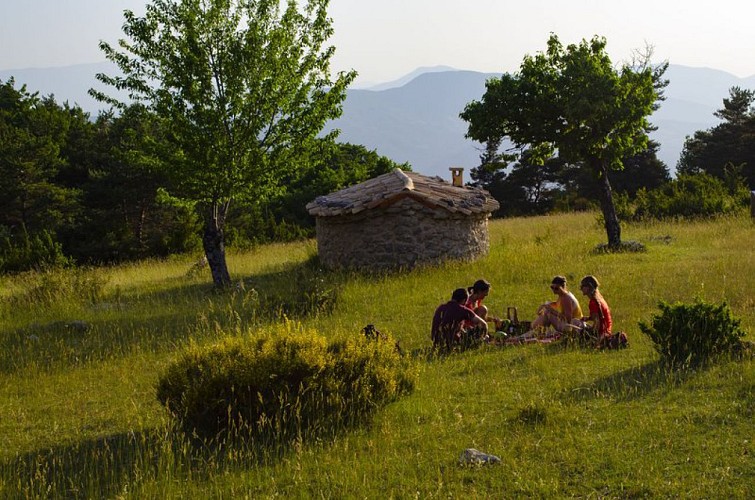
79 190
714 173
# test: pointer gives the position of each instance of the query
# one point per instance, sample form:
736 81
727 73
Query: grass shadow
296 290
159 320
99 468
630 384
110 466
74 343
565 345
431 353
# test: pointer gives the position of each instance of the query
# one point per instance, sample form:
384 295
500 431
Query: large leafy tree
729 147
536 188
572 101
337 166
334 166
641 170
244 87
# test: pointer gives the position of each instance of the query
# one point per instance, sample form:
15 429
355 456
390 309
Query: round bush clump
283 385
623 247
692 335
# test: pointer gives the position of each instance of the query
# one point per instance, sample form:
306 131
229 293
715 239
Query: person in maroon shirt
449 320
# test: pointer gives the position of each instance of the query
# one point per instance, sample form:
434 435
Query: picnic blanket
529 338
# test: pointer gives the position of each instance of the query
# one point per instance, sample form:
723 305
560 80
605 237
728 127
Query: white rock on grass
471 456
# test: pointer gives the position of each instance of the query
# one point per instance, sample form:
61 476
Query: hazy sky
385 39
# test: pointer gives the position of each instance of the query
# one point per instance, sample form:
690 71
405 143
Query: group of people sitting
466 318
463 317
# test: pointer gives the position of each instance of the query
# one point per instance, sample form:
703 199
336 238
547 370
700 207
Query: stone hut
401 219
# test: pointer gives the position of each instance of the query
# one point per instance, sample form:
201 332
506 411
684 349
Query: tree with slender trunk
243 88
571 101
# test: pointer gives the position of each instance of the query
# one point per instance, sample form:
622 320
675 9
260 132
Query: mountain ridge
415 118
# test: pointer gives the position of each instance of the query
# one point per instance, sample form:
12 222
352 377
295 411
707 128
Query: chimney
457 176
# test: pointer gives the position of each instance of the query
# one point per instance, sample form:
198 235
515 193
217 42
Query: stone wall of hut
404 234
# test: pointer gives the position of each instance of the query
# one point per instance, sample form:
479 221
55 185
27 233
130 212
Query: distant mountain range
415 119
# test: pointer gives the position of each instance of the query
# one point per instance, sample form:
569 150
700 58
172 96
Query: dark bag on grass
618 340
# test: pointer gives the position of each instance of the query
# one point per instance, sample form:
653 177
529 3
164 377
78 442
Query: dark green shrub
698 195
277 387
692 335
22 252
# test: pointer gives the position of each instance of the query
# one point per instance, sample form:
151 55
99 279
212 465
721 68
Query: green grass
79 417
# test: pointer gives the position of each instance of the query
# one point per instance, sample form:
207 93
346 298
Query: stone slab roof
389 188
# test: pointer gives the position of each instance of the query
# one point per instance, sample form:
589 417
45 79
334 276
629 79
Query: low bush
283 386
688 196
23 252
623 247
693 335
74 285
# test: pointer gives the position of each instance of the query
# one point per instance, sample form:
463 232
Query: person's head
589 285
460 295
479 289
558 284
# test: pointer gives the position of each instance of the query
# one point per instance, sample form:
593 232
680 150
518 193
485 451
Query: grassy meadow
81 352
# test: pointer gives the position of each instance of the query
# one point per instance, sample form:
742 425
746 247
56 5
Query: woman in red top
477 293
600 313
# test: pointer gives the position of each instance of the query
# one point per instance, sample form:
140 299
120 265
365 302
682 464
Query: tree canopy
572 102
77 190
243 87
729 147
32 133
